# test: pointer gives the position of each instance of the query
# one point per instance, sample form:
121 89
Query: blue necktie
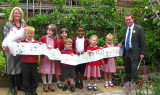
127 40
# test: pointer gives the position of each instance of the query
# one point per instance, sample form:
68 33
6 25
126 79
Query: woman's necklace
17 26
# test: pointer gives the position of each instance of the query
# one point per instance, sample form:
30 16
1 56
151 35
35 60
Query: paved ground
101 90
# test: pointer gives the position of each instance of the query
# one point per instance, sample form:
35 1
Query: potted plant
116 77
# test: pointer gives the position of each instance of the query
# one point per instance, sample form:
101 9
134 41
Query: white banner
54 54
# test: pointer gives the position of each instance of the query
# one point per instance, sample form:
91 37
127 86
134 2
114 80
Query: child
47 66
80 43
109 63
60 46
92 68
68 71
29 65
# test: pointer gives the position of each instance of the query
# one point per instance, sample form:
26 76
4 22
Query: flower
145 19
118 74
157 11
134 31
146 7
129 87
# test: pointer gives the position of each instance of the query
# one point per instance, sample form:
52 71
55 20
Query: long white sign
54 54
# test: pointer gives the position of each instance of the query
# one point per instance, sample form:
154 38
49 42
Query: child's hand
101 67
77 52
82 52
89 51
40 43
101 47
23 38
49 47
72 54
57 49
18 41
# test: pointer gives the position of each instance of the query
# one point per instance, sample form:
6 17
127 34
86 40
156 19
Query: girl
60 46
92 68
109 66
47 66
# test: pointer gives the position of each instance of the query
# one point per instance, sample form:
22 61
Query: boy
80 43
29 65
68 70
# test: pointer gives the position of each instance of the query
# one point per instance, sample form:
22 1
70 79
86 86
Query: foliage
118 74
119 61
2 63
12 3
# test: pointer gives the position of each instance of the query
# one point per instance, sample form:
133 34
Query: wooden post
27 9
33 8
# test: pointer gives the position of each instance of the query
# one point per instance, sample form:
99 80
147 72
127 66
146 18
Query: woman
13 63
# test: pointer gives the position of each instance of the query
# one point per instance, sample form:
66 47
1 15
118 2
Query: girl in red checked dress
47 66
92 68
109 63
60 46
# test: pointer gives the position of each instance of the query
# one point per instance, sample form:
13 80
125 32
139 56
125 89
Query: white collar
30 41
131 27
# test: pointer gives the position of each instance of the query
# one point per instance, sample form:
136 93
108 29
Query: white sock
44 79
89 84
106 82
49 78
110 82
94 85
58 82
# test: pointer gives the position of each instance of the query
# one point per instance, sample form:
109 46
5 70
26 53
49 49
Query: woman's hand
5 49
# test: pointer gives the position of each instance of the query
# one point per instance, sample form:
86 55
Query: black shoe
89 88
65 87
77 84
72 89
81 85
34 93
59 85
27 93
95 88
13 91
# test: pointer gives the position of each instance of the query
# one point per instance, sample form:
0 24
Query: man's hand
141 57
120 45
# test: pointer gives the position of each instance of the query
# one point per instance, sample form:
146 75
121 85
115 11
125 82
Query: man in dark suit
134 48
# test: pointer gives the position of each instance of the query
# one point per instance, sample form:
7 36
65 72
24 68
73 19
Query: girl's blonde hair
63 30
30 28
12 12
94 36
109 36
53 28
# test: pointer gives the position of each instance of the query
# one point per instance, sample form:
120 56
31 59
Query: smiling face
63 35
68 45
29 35
50 33
109 40
93 41
17 15
80 32
129 20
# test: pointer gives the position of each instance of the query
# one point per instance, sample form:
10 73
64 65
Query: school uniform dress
80 44
13 64
109 63
29 71
92 68
47 66
68 70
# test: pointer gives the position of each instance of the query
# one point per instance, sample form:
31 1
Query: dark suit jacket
137 41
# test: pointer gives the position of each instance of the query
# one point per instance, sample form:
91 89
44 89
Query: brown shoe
50 86
45 88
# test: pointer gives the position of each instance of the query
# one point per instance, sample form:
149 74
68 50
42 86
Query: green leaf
155 20
158 23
